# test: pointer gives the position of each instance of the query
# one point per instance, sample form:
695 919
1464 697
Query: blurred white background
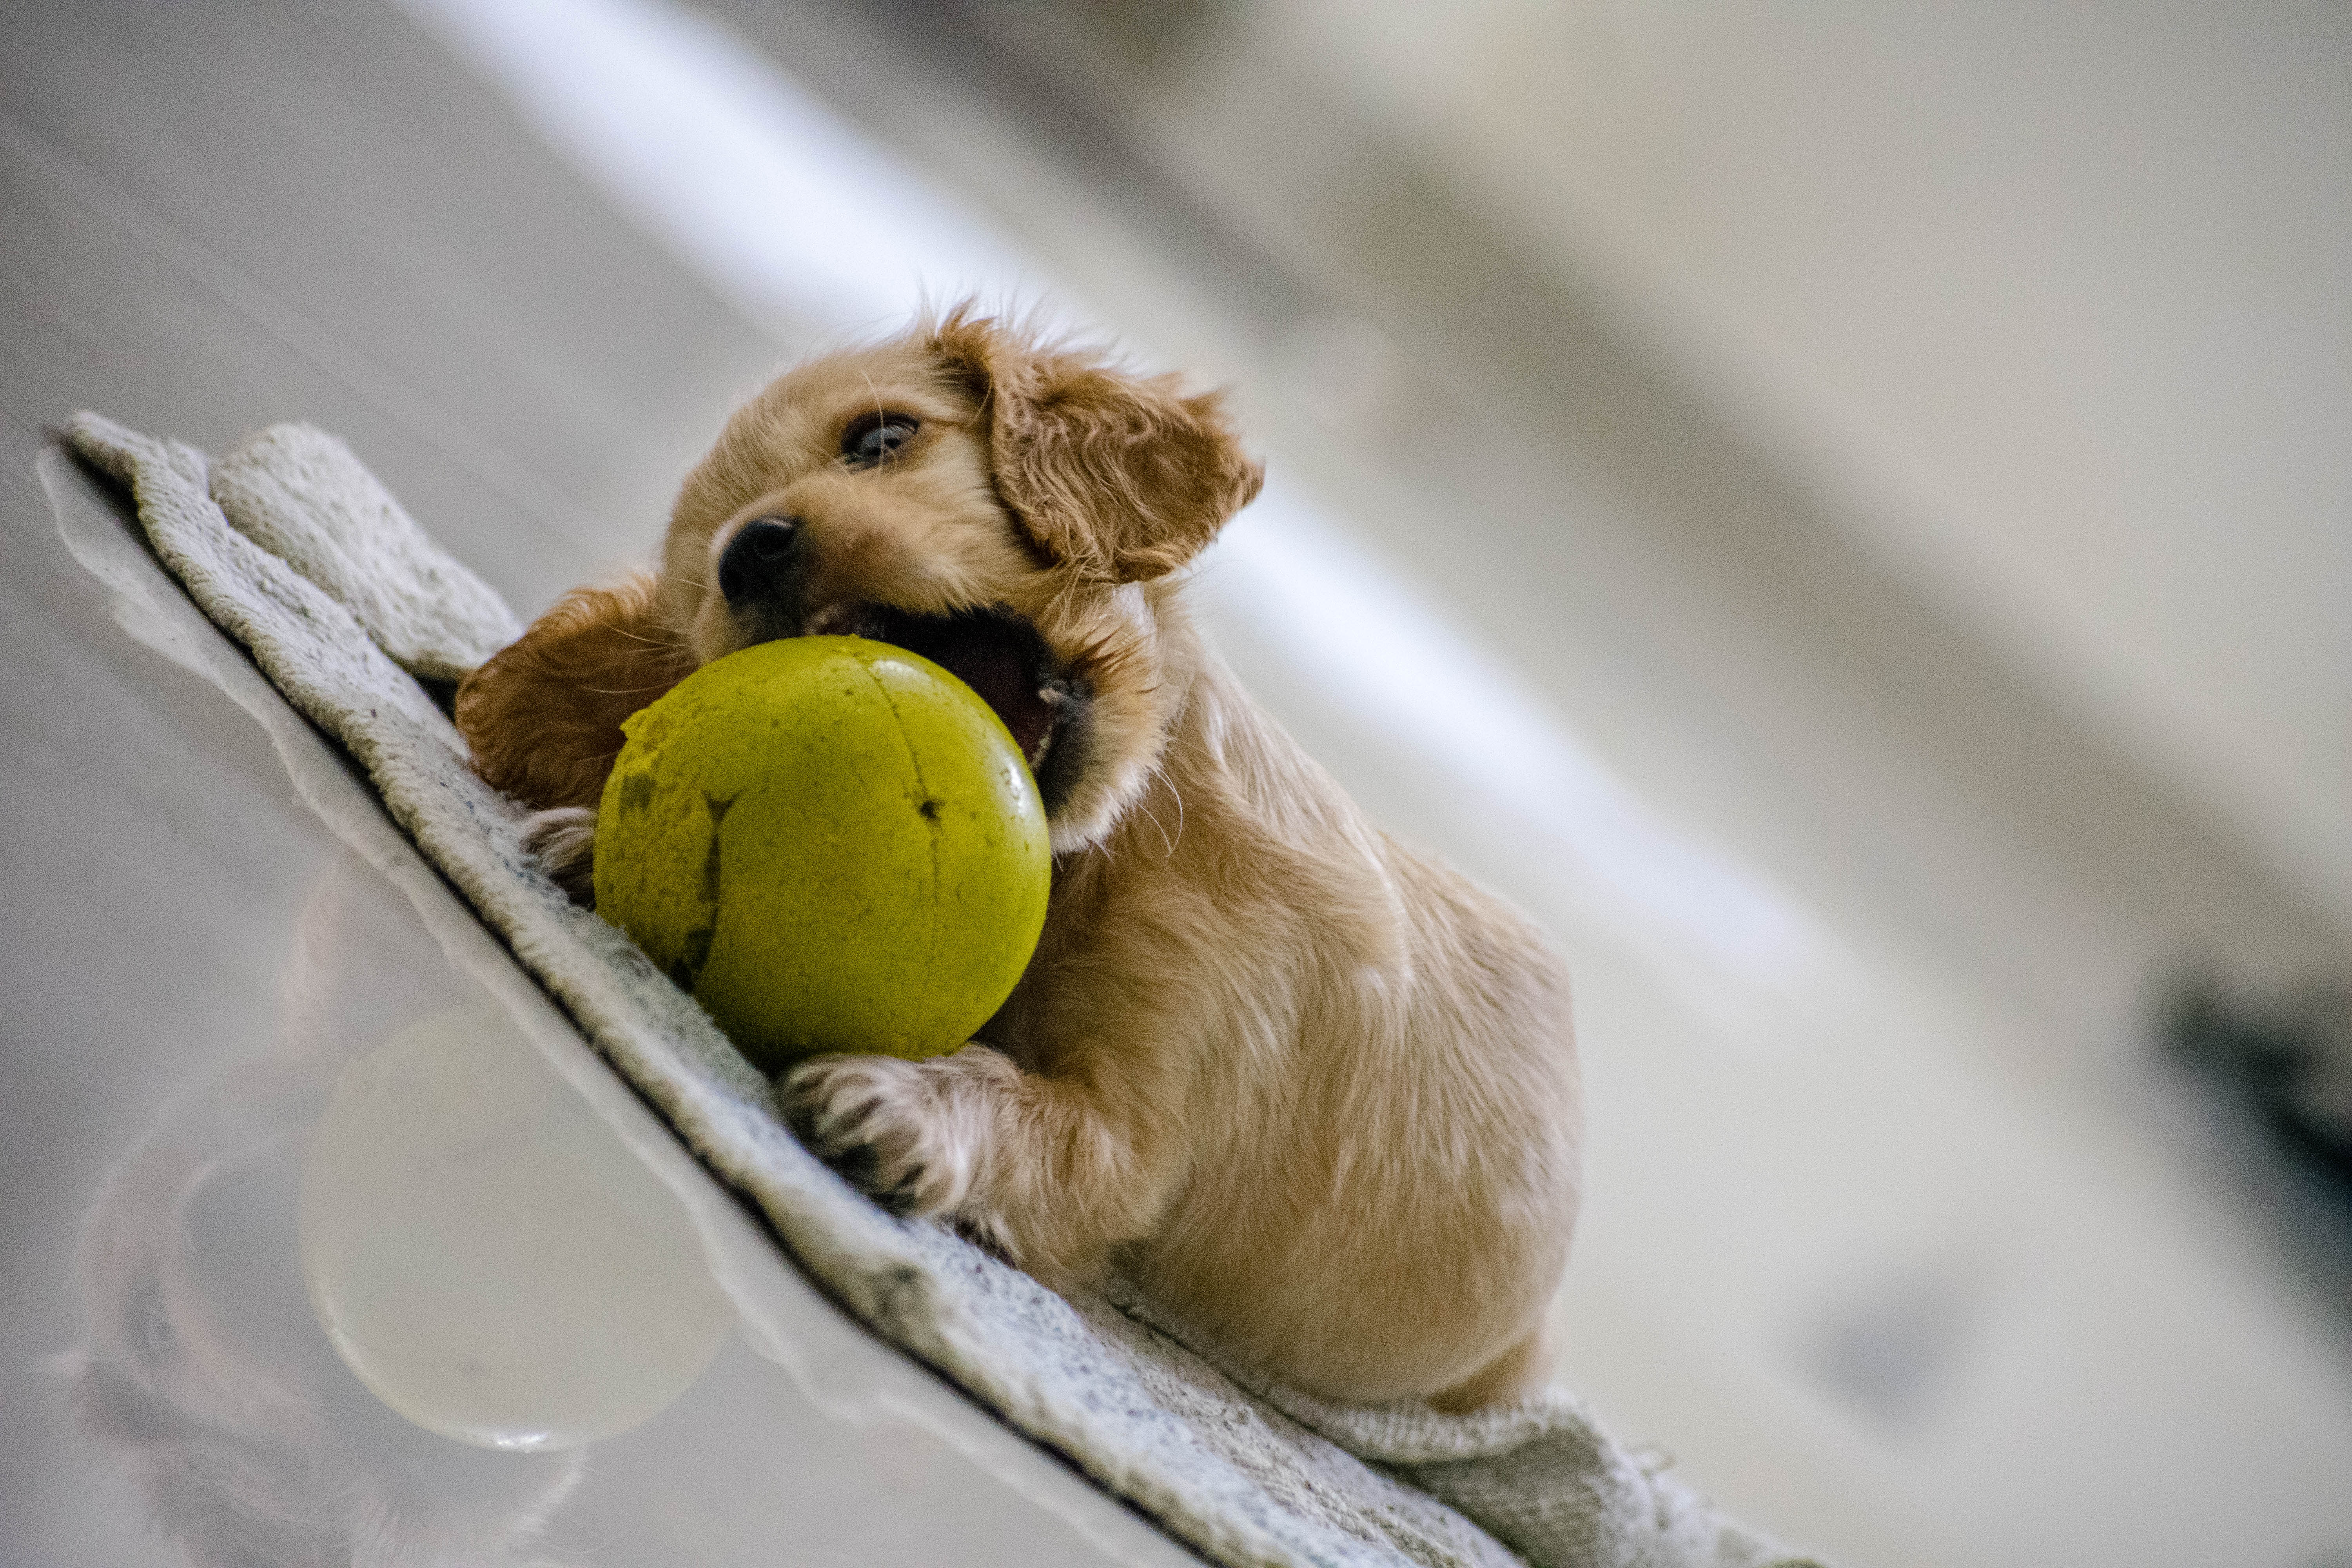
2056 302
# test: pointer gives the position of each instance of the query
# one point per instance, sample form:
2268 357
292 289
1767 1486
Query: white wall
2060 295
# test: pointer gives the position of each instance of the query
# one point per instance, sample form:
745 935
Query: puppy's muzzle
760 576
764 573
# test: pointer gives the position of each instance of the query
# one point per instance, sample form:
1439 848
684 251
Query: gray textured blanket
292 547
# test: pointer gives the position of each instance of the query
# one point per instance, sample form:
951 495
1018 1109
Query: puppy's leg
543 716
1518 1372
1051 1170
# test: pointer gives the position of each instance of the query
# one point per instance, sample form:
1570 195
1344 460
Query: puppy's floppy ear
543 716
1122 478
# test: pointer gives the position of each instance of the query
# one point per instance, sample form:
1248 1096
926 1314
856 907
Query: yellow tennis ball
833 843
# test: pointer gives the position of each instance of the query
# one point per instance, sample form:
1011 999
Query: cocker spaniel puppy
1311 1090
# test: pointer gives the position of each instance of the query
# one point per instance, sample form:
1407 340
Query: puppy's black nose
757 564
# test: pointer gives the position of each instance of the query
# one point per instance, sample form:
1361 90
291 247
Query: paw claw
877 1122
563 841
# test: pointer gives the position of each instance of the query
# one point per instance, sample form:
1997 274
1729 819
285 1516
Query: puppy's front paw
883 1124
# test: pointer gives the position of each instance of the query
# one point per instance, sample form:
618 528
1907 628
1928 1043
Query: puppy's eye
873 438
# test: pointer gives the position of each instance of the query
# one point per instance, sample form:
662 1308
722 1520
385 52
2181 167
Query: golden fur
1313 1091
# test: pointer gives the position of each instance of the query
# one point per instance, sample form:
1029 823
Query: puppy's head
1005 507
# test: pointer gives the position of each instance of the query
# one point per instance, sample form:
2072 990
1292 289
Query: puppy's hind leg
1518 1372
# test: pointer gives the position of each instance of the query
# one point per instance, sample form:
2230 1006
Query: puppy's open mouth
1001 657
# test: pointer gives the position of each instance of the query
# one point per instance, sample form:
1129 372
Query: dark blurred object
2292 1063
2281 1071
